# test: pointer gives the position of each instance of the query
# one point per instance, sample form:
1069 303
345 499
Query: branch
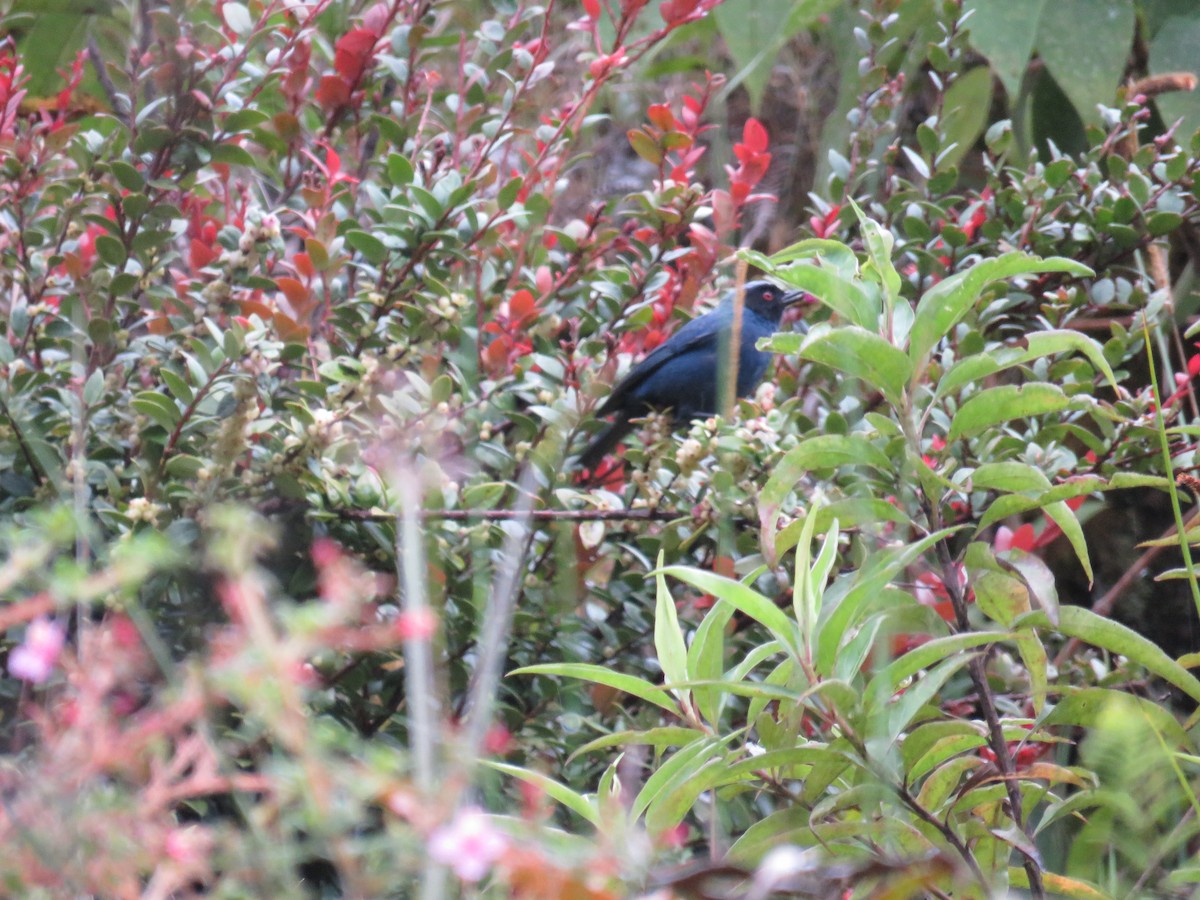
647 514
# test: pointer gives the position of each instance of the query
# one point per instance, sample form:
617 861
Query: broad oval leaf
861 354
1003 404
848 297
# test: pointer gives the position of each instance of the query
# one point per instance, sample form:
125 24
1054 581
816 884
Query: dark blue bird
681 374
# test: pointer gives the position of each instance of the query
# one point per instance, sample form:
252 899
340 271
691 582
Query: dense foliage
308 303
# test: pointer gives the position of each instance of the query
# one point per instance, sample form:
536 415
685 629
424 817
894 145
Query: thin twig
648 514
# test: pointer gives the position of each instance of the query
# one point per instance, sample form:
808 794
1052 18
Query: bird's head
769 300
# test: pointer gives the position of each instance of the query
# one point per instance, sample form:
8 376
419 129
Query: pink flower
470 844
34 660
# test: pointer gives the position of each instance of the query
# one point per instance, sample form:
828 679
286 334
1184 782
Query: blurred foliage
307 305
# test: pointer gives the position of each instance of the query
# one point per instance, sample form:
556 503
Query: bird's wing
698 334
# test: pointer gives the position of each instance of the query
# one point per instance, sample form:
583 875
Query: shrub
308 307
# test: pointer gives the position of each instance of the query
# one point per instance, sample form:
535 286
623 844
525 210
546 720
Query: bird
681 374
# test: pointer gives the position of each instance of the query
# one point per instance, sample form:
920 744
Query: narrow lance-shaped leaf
706 661
1075 621
643 690
668 638
743 598
879 243
577 803
1064 517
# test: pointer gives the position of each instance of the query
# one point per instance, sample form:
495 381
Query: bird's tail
604 442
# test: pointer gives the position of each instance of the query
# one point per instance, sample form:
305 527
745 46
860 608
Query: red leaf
661 117
353 50
303 265
295 291
754 136
592 8
495 357
521 306
332 92
201 254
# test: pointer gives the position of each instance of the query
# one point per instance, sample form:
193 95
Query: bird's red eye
768 295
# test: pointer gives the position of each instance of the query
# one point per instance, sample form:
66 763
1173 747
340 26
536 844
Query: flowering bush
308 305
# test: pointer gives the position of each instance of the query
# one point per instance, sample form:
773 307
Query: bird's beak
793 297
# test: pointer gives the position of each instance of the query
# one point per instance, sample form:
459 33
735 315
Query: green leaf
93 388
993 406
1047 343
975 368
1004 32
1081 486
1075 621
1064 517
888 680
158 407
177 385
853 512
706 660
846 296
666 736
1173 49
965 112
1037 578
400 170
806 595
900 712
577 803
1033 655
244 120
754 30
668 637
861 354
790 825
1084 707
943 781
127 176
841 614
683 765
1001 598
1010 477
825 451
879 243
679 794
645 146
946 303
791 762
643 690
372 248
111 250
744 599
181 465
232 154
